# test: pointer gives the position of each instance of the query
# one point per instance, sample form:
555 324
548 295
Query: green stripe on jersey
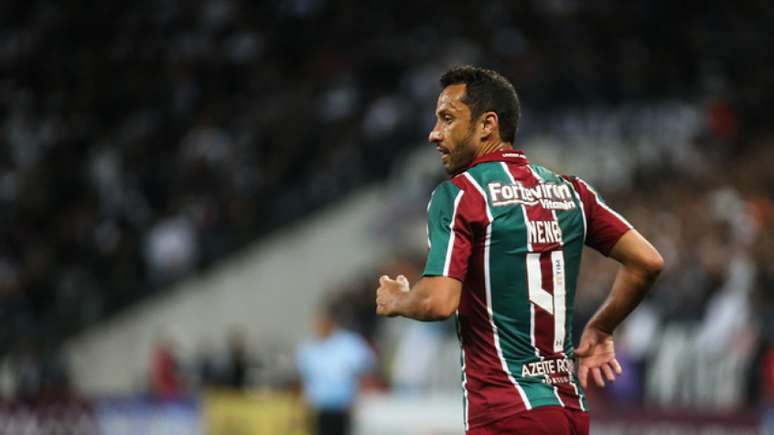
439 219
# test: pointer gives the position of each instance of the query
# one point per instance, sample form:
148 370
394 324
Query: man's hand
388 293
596 354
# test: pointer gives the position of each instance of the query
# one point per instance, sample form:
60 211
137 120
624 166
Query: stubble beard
462 156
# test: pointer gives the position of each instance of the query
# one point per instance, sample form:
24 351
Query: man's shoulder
474 178
465 182
461 190
447 189
550 175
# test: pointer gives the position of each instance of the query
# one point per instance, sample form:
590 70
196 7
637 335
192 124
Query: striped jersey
513 233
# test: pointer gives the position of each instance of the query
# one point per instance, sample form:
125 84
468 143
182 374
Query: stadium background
183 183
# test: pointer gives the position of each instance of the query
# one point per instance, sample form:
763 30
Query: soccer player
505 242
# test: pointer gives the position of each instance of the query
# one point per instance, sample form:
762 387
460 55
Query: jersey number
554 304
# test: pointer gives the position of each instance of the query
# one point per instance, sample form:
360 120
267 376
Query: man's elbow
446 311
652 263
435 310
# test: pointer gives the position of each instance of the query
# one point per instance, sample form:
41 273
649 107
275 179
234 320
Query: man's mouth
444 153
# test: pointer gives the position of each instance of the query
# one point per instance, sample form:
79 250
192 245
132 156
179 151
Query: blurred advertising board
647 422
441 414
275 413
133 416
213 413
263 413
70 417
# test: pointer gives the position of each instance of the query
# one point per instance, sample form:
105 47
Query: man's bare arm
432 298
640 266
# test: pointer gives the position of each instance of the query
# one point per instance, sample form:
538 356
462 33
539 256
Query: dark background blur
141 143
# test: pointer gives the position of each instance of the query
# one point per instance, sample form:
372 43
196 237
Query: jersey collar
508 156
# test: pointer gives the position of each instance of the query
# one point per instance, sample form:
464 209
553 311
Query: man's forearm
432 298
417 305
629 288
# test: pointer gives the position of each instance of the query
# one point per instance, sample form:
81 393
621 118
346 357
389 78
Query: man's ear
490 124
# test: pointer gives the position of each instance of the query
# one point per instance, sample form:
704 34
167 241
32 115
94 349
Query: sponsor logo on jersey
550 196
553 371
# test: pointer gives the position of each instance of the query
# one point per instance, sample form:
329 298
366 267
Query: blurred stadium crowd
145 141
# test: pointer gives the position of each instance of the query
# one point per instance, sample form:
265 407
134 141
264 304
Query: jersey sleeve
604 226
449 236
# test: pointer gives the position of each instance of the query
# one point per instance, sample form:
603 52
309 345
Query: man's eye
447 118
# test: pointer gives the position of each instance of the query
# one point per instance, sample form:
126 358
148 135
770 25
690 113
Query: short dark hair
487 91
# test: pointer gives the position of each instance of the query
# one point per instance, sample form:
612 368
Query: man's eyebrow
445 111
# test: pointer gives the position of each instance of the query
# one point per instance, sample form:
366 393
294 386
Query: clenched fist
389 293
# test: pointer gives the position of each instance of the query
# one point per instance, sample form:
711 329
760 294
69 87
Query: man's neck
491 147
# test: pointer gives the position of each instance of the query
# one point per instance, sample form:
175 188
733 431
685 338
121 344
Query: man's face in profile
454 130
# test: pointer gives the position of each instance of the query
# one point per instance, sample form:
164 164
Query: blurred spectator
231 368
166 380
331 364
40 372
206 369
170 249
238 362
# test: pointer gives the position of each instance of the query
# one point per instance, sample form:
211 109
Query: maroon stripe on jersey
604 226
540 226
490 391
567 392
461 236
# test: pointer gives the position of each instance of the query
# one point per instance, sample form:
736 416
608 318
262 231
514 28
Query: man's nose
435 136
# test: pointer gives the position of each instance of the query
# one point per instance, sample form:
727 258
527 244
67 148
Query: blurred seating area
143 142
